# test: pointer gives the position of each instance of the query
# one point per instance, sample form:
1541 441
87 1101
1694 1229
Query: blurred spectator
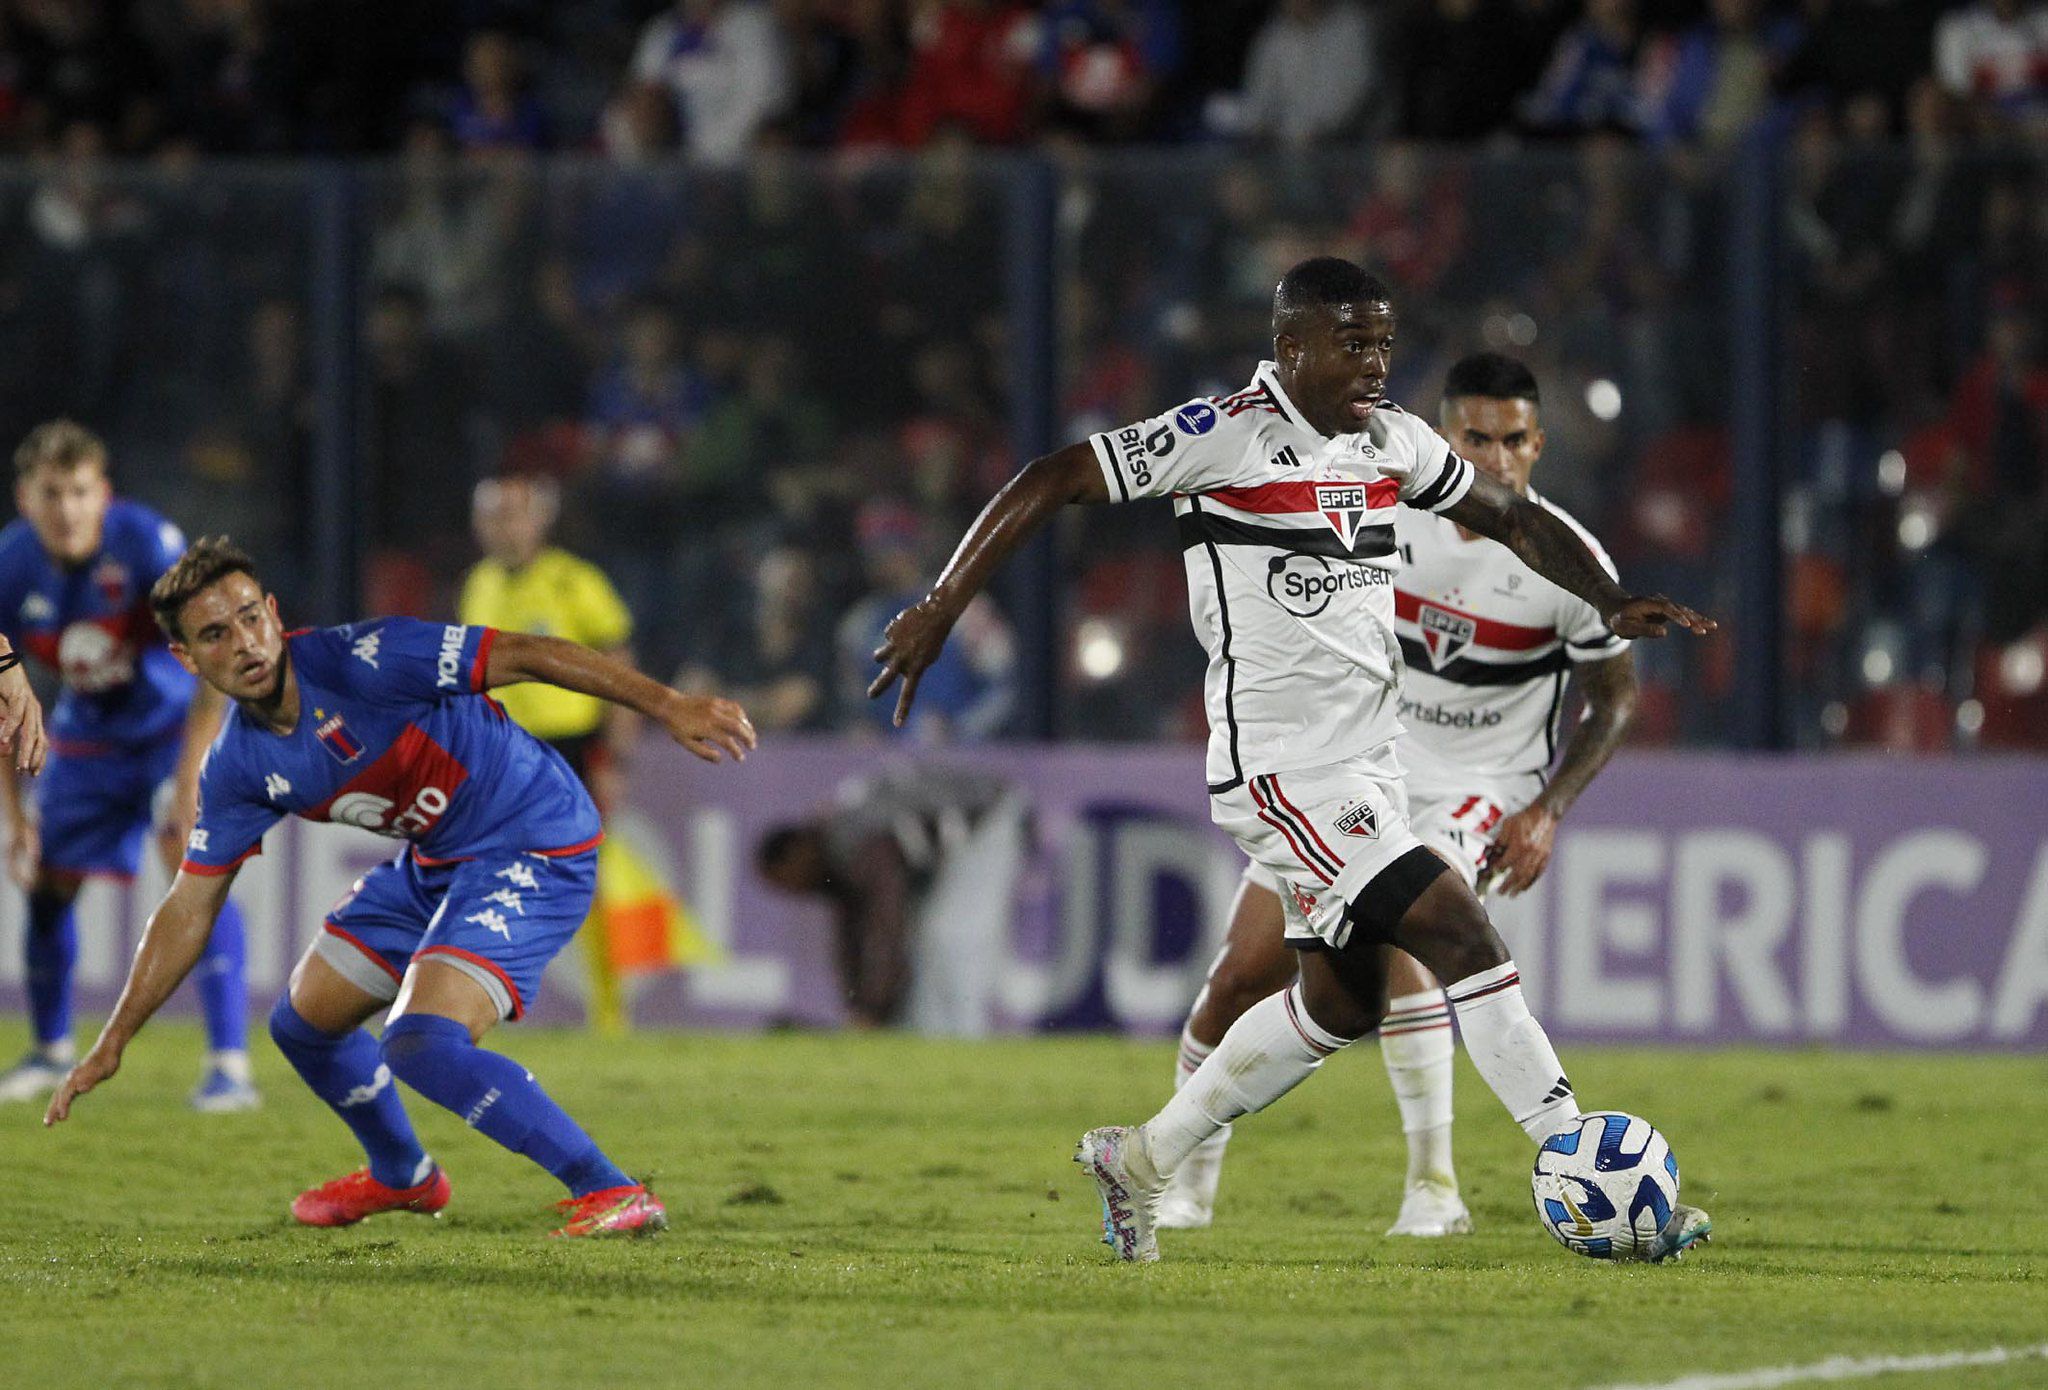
443 236
1590 82
245 466
774 654
970 69
723 64
525 584
234 75
2000 419
417 458
494 110
82 63
87 245
1105 61
919 865
952 443
1996 53
1413 222
757 443
642 417
1858 47
1462 64
1311 75
1713 81
966 695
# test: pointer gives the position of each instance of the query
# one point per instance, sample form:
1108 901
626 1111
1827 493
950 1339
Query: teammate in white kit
1285 494
1489 646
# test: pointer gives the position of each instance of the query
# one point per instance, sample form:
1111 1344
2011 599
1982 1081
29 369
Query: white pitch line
1845 1368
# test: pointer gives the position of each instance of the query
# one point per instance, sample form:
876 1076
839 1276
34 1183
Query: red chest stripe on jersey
404 793
1299 495
1487 632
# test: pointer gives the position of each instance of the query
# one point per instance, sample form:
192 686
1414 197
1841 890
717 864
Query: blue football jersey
92 625
395 735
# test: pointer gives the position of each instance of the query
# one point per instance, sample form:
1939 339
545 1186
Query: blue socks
222 980
52 951
52 955
496 1095
348 1074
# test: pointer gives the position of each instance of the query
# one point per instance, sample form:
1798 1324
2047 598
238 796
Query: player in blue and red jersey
384 724
127 733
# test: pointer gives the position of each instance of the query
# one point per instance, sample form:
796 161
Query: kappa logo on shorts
1444 634
1360 820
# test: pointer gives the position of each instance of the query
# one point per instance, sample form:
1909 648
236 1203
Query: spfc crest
1360 821
1344 506
1444 634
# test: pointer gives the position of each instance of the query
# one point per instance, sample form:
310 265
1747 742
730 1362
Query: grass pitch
888 1212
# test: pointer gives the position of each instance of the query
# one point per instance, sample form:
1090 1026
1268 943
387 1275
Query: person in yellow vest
524 584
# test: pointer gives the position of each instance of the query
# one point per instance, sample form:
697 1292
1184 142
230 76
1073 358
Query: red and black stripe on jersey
1491 634
1257 396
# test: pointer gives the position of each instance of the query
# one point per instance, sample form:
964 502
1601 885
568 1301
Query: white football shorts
1323 834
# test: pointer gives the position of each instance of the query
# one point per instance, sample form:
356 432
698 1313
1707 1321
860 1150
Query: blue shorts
97 809
499 919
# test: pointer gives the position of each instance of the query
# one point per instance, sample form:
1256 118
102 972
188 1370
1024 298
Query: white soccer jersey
1288 538
1489 645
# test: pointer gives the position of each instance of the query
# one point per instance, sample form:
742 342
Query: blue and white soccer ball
1606 1185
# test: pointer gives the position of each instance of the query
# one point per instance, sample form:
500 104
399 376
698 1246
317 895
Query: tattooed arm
1547 545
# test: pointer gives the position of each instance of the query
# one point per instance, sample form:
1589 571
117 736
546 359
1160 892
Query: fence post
332 347
1757 420
1032 595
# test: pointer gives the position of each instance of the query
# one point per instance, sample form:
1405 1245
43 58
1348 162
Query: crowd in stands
759 319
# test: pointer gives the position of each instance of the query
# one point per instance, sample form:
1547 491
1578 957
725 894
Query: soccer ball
1605 1185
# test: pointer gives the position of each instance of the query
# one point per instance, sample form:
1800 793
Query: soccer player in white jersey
1284 494
1489 646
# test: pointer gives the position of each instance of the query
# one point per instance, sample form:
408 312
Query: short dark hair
64 444
1493 375
205 563
1323 281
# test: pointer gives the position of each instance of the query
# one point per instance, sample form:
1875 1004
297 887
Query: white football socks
1512 1051
1201 1171
1415 1043
1269 1051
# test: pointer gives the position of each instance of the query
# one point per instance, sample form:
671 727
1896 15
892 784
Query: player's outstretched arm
706 725
1551 548
202 722
177 934
916 636
1524 840
21 714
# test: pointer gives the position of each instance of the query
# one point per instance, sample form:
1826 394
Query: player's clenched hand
21 721
710 727
1648 616
910 644
96 1066
1521 851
